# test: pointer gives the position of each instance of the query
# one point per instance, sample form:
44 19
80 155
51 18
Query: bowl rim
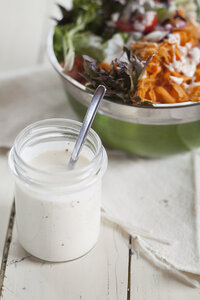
165 109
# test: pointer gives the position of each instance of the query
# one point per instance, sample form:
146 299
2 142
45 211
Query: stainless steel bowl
159 130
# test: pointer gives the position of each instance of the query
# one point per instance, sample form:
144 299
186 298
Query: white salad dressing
58 225
56 161
57 209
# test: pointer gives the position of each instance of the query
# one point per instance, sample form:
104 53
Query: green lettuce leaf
89 44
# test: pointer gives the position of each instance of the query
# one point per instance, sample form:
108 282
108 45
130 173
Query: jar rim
18 164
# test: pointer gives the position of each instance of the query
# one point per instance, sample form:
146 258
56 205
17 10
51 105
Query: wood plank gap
129 268
7 246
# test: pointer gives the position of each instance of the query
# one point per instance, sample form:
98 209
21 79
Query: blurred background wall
23 30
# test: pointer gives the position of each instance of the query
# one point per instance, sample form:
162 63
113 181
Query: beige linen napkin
157 201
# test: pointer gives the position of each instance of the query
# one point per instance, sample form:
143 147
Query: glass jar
57 212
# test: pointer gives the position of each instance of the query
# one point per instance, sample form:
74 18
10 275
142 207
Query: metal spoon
87 122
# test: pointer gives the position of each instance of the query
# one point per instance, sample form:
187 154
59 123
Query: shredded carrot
104 65
115 65
162 84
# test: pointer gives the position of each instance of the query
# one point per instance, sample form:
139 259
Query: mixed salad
143 51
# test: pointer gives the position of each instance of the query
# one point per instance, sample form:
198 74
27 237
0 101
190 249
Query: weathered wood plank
101 274
151 283
6 197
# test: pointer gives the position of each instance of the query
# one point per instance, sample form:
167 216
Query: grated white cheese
146 22
190 57
174 38
177 79
137 5
115 17
156 35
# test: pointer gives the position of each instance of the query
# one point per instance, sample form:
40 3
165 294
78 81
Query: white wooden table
112 270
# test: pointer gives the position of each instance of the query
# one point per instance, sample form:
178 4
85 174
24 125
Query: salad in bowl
147 54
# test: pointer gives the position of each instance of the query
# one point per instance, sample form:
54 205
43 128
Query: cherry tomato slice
142 23
151 26
124 26
76 70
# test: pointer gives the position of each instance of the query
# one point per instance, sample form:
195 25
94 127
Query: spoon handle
87 122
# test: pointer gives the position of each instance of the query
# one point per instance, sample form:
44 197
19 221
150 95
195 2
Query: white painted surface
151 283
6 198
101 274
